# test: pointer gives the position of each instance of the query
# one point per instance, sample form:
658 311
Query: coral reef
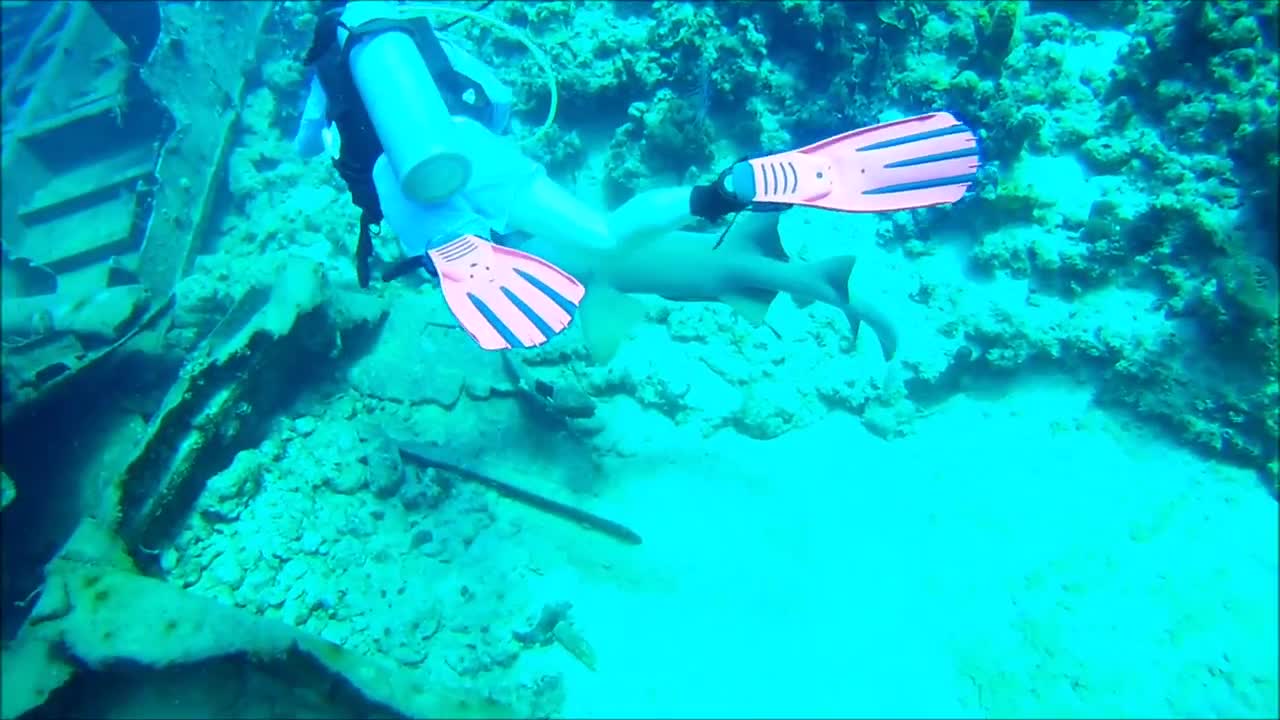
1122 231
1130 150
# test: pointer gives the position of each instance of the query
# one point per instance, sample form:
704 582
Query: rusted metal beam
198 72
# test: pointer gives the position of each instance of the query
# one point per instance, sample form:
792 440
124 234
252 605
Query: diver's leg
649 213
665 210
514 193
542 207
547 209
668 209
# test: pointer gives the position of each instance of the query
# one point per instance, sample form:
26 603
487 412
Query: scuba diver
416 128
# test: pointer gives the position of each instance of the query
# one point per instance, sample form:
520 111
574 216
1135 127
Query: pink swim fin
911 163
505 298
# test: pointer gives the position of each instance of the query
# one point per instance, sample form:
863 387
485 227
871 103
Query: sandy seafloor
1019 554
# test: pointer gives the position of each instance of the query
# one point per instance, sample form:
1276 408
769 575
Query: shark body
747 272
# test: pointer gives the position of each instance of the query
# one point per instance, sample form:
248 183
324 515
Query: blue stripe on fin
968 152
926 135
534 317
564 303
457 251
493 320
923 184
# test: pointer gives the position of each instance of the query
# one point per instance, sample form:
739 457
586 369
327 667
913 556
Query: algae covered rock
769 410
421 356
97 615
227 493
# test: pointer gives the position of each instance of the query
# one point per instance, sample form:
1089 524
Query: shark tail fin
607 317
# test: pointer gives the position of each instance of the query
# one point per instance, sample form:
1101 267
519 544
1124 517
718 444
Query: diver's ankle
710 202
714 200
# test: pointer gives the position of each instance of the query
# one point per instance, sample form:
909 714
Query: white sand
1023 555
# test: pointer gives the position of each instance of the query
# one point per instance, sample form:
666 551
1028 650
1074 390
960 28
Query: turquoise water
1057 499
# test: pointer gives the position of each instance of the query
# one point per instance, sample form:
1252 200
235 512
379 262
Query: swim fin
910 163
502 297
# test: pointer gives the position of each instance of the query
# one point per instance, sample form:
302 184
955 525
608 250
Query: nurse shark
746 272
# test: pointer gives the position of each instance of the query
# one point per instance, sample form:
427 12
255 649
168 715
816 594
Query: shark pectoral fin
835 271
607 318
886 333
751 304
755 234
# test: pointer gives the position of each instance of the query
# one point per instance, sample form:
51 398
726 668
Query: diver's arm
309 140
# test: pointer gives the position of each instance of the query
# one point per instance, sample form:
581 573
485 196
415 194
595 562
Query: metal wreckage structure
105 104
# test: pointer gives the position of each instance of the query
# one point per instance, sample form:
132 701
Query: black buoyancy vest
360 146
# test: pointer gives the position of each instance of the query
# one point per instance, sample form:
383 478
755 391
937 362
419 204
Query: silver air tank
405 106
